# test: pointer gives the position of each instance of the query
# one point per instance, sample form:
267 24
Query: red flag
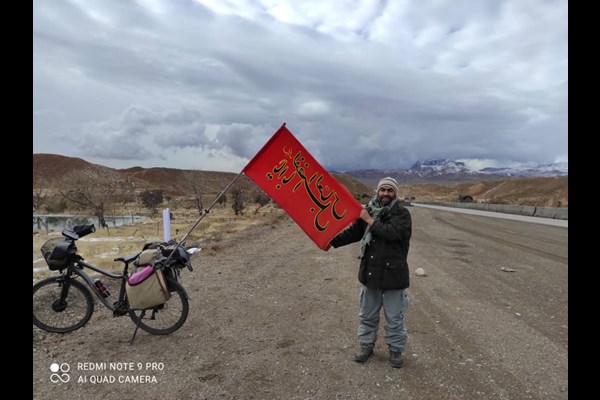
306 191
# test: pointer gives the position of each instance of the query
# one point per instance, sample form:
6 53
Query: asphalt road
490 214
491 318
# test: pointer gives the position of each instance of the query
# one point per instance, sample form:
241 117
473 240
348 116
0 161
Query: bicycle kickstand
137 326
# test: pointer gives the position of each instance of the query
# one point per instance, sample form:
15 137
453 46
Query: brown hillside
540 191
48 170
357 188
177 181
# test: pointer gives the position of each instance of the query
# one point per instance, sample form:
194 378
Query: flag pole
206 210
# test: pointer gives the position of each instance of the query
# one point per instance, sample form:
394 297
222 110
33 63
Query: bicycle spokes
60 306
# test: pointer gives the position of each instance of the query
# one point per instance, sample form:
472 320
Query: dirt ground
274 317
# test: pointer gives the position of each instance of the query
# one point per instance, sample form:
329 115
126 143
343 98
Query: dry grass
101 247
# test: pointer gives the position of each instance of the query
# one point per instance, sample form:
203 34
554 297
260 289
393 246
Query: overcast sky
203 84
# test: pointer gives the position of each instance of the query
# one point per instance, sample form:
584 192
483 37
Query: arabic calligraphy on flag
314 199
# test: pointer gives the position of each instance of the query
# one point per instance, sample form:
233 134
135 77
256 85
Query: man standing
384 229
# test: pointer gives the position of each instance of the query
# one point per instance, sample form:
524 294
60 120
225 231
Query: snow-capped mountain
554 169
448 171
439 167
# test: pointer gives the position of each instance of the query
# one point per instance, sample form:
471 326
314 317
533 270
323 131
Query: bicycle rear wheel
165 318
61 304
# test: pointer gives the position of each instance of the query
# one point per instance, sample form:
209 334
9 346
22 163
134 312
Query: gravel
274 317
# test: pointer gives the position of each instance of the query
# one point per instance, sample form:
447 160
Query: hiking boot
363 355
396 359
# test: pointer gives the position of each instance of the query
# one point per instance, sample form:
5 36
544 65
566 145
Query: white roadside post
166 224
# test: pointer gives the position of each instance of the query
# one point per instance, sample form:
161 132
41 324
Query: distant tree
56 204
151 199
39 196
192 180
125 194
237 196
261 198
40 192
222 199
94 192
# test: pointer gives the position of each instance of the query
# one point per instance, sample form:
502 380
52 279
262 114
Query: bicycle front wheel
61 304
165 318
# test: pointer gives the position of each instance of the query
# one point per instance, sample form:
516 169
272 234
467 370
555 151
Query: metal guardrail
532 211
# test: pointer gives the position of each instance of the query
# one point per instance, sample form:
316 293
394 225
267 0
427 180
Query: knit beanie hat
390 182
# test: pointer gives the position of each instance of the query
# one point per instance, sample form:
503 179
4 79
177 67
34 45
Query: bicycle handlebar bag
146 288
57 253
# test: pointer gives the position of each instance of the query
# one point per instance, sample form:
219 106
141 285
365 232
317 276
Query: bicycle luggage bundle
161 251
58 253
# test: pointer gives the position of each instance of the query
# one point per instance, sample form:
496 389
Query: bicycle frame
78 269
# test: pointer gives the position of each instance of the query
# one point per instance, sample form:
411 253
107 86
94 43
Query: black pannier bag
58 253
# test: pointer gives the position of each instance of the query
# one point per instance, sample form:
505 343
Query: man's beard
385 200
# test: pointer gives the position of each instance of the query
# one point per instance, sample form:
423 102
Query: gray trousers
394 303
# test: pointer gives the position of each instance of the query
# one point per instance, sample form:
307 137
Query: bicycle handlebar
78 231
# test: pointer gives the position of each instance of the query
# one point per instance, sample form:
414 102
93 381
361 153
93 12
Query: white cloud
363 84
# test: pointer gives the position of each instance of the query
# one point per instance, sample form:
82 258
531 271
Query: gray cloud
372 84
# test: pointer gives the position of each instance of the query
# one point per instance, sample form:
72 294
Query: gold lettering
321 195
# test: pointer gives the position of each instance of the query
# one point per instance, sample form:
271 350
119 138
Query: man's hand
365 216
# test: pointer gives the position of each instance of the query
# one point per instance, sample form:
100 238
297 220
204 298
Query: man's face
386 194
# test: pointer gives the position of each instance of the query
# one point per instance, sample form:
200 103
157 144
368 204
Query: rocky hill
50 171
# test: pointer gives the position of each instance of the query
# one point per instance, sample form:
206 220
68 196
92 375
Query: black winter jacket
384 264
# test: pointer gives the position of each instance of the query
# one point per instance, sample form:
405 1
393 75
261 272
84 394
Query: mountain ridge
447 171
49 171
